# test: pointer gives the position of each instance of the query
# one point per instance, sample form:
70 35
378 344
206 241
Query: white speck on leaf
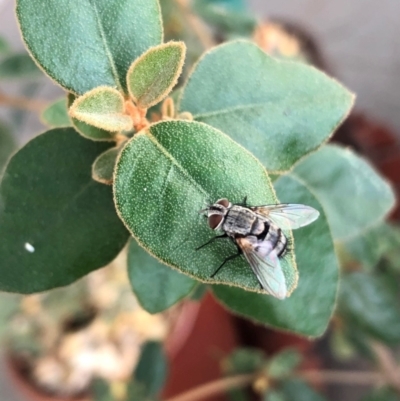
29 247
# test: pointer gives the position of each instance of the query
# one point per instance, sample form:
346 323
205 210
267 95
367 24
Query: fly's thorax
239 221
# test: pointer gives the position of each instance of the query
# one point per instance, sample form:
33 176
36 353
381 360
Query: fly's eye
223 202
214 221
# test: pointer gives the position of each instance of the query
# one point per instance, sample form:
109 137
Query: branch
22 103
341 377
215 387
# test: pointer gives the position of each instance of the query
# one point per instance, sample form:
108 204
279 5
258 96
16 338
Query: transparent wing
288 216
265 264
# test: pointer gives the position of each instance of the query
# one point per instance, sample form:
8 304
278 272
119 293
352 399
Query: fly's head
216 213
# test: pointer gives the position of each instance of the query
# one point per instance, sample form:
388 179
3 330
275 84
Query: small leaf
274 395
382 394
354 196
56 115
278 110
103 108
56 223
4 46
166 174
283 364
17 66
152 76
88 131
103 166
7 145
244 360
298 390
101 390
89 43
369 303
156 286
318 271
151 370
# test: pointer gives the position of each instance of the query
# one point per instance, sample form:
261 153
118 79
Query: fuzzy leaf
56 115
151 371
283 364
368 302
298 390
103 166
103 108
156 286
311 305
244 360
17 66
89 43
88 131
354 196
56 223
278 110
7 145
153 75
166 174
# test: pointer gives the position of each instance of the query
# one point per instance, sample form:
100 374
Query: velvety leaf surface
278 110
56 115
103 166
7 144
151 371
351 192
103 108
56 223
369 302
18 66
167 174
88 131
151 77
283 364
244 360
156 286
310 307
89 43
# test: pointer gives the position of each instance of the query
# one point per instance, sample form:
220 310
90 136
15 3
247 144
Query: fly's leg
223 263
212 240
244 203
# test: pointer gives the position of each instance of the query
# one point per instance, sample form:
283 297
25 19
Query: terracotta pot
26 388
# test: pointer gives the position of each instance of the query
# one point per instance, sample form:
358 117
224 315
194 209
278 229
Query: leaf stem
215 387
22 103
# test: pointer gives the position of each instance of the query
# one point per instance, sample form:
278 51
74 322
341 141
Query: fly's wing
288 216
265 264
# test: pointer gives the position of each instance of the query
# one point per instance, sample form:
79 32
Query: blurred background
359 43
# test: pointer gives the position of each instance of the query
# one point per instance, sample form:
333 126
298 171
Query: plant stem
22 103
215 387
341 377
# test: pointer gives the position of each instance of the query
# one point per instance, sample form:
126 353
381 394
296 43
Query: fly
257 233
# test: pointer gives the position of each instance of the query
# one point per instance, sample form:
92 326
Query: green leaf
89 43
103 108
151 370
88 131
156 286
274 395
278 110
369 302
166 174
354 196
4 46
382 394
244 360
153 75
318 271
103 166
17 66
7 145
283 364
56 115
298 390
56 223
101 390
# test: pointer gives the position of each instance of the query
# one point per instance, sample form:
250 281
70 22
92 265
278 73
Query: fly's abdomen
278 239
